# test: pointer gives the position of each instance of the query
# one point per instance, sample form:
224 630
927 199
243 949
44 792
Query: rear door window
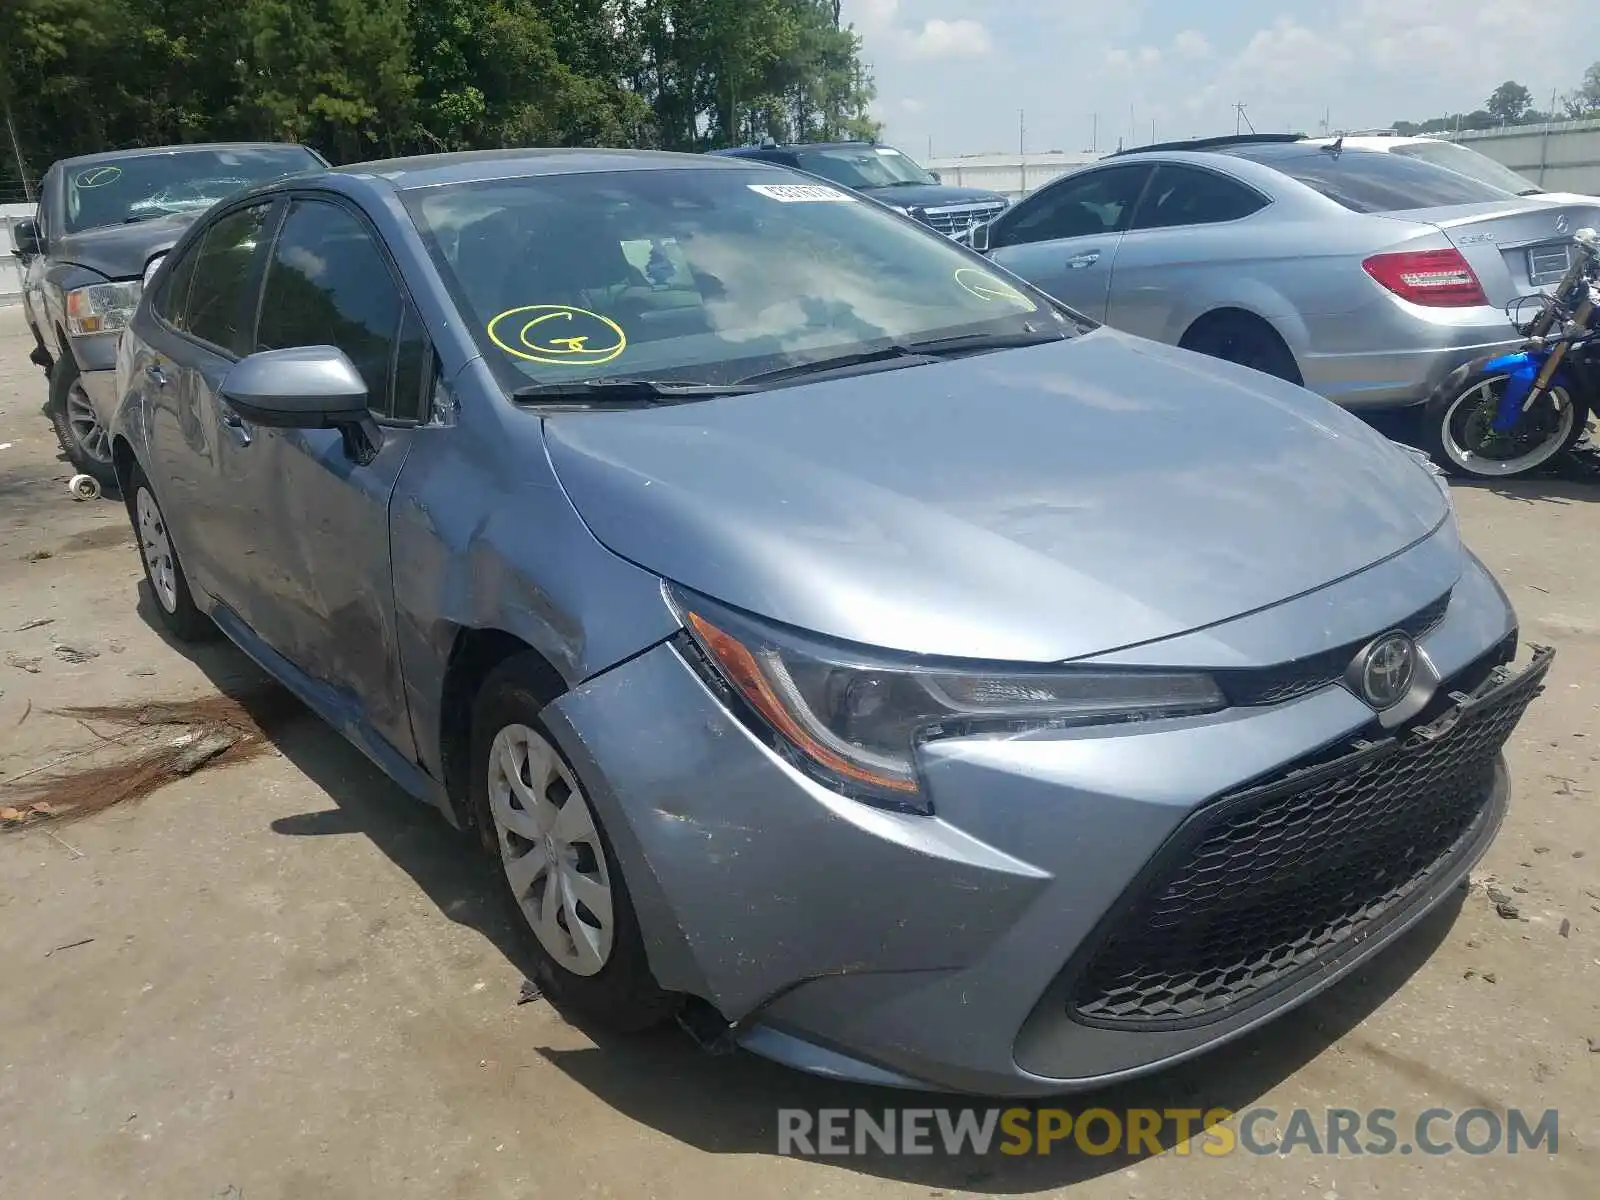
1192 196
1371 181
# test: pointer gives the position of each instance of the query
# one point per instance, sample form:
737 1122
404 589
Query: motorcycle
1509 414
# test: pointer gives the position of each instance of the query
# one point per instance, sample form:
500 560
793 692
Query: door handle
156 375
233 423
1079 261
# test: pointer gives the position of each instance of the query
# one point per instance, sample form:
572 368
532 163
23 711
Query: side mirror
937 178
978 239
25 237
304 387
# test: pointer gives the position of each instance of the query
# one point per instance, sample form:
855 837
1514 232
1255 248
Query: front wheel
83 439
556 867
1460 426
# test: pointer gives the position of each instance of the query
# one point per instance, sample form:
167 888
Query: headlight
101 307
854 719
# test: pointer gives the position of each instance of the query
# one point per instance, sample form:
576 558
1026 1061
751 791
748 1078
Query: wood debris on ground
159 741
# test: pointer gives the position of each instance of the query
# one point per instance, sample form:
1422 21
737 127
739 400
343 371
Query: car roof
790 147
183 148
473 166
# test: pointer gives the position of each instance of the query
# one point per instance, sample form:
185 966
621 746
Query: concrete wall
10 269
1563 157
1012 175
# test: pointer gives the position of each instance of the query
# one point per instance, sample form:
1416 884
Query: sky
959 72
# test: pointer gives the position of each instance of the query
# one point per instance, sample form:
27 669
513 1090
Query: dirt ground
280 978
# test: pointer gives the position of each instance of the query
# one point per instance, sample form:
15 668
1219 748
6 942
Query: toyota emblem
1562 225
1386 670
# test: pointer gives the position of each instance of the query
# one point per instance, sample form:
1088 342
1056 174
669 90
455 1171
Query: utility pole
1022 148
1241 119
1094 136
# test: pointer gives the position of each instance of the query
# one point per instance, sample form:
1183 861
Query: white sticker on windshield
801 193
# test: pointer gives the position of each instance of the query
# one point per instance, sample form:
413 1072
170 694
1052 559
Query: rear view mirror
978 238
305 387
25 237
937 178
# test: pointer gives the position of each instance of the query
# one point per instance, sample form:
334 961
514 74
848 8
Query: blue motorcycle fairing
1521 370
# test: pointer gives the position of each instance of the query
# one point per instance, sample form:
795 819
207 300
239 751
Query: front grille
1273 685
1258 888
951 221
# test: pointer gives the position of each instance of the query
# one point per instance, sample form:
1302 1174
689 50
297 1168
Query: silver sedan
1367 277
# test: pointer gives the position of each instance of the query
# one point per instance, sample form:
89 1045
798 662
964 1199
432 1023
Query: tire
1455 422
523 792
1243 339
163 571
85 442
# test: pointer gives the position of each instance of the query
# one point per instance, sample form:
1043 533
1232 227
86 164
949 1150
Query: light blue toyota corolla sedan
837 644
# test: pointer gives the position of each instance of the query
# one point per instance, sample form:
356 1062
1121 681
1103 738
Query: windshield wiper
650 391
839 362
985 341
154 215
911 354
1531 192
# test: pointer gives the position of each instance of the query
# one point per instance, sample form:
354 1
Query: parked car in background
1453 156
103 221
834 641
889 177
1366 276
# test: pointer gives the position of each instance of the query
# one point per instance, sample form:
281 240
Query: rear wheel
175 605
84 441
556 866
1244 339
1461 434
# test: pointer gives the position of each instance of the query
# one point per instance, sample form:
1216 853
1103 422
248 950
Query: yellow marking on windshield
538 339
99 176
990 287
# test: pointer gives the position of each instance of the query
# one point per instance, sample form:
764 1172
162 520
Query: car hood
121 251
931 195
1033 505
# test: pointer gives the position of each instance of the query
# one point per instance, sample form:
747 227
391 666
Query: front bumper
920 951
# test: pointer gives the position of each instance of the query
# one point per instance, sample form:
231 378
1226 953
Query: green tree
1509 103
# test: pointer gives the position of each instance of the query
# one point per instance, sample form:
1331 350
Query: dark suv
102 225
888 176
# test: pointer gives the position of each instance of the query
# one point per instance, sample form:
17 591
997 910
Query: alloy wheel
87 431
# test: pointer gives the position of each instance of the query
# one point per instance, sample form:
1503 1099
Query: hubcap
550 850
157 549
86 428
1470 440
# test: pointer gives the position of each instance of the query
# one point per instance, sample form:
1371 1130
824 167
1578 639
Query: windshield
142 186
1372 181
706 276
863 166
1470 163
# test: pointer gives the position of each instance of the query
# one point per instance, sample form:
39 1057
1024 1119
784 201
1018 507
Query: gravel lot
281 978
